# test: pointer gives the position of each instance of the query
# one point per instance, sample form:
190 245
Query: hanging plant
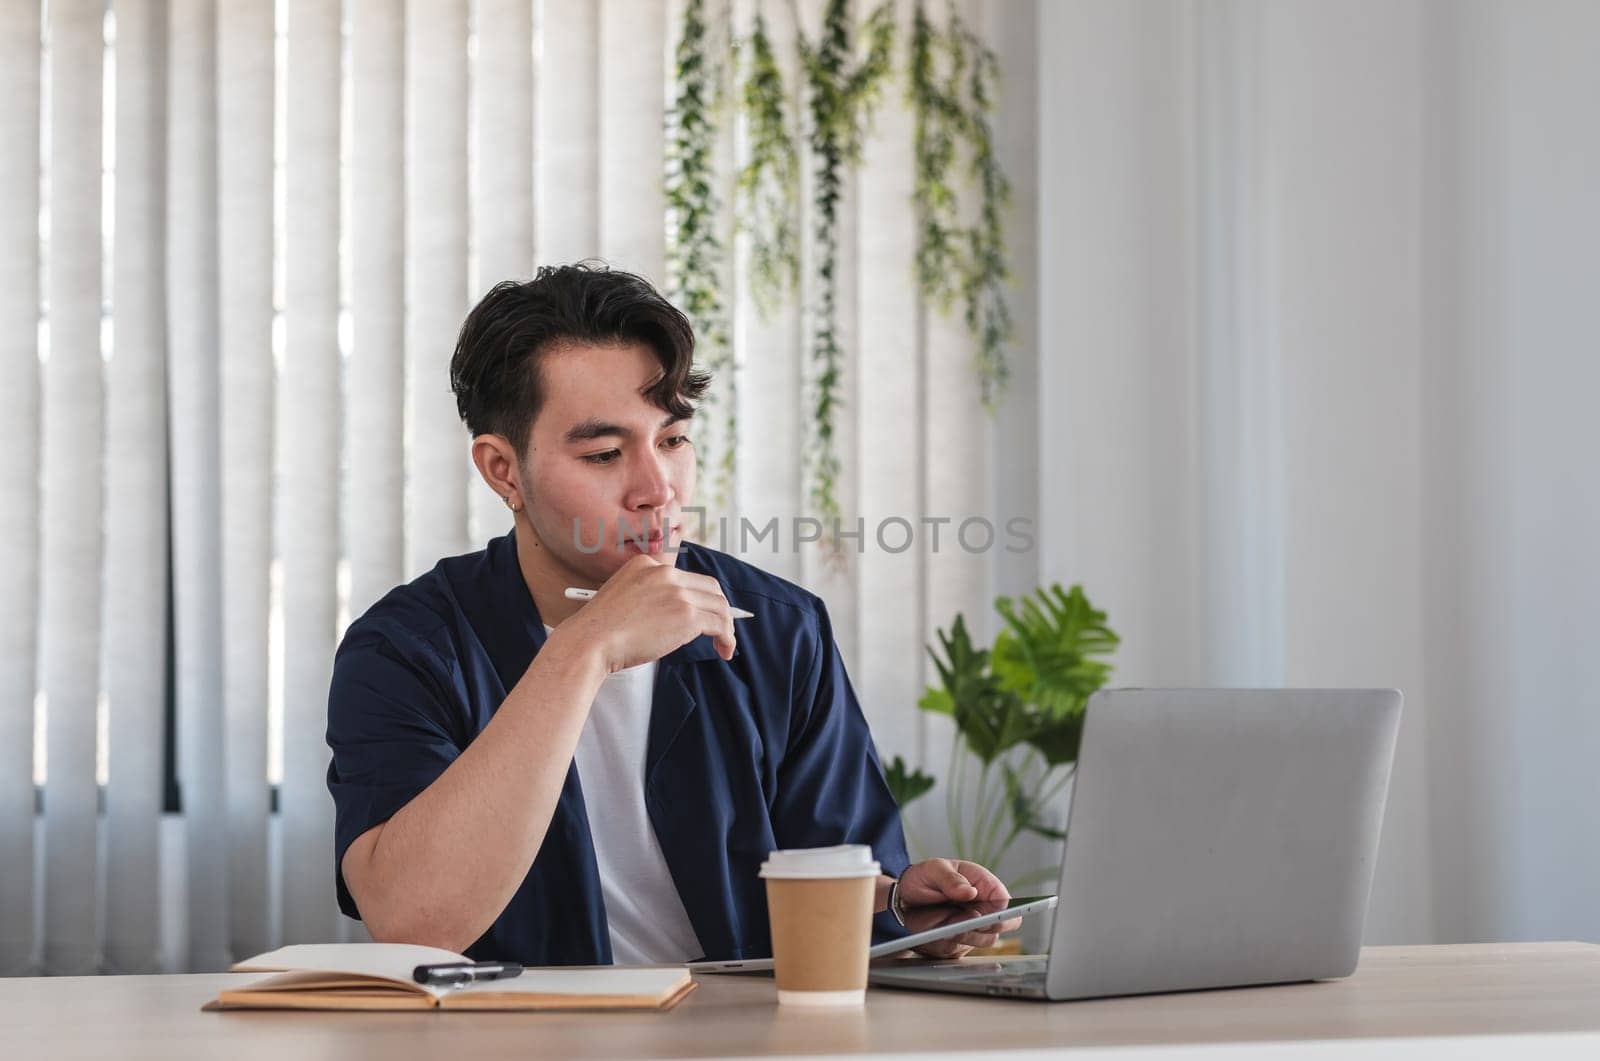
841 90
695 253
769 181
937 118
952 73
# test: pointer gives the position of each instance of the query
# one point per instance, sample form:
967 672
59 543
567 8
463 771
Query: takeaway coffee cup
819 902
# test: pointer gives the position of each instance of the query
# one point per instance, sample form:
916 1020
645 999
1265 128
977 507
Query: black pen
454 974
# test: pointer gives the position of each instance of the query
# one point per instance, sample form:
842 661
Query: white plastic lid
843 860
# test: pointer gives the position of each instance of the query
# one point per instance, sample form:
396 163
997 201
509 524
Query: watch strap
896 906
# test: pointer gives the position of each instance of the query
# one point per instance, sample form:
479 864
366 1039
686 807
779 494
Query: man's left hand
942 881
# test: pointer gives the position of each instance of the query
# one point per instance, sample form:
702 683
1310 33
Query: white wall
1316 287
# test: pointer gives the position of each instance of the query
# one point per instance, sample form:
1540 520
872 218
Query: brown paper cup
819 902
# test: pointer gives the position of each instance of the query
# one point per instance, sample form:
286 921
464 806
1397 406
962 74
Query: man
526 777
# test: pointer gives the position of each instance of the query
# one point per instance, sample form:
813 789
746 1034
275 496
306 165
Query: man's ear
496 460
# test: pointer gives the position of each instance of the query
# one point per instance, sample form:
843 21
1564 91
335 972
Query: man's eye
676 441
602 458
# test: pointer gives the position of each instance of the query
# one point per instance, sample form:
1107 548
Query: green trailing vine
937 116
951 80
841 90
950 89
695 252
769 181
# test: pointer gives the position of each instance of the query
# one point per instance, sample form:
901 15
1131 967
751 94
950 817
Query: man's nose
651 488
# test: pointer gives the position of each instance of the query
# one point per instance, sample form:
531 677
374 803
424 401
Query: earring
512 505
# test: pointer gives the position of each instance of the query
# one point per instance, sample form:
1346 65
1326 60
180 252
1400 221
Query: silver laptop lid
1220 837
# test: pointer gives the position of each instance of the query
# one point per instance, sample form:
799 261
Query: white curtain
1317 380
264 223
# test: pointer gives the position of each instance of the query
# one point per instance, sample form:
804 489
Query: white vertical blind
19 476
74 437
435 278
631 104
193 388
245 104
533 135
308 437
566 145
136 569
502 193
374 523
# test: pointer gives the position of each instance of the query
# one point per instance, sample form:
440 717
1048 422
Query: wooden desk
1538 999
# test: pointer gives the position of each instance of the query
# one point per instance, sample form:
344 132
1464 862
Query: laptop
1216 838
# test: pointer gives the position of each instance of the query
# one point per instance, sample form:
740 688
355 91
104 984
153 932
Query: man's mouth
655 541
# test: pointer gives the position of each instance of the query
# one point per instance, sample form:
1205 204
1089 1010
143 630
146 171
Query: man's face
602 455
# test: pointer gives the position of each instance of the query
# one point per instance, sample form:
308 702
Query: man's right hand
647 609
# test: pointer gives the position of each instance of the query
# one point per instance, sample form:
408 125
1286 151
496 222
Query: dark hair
495 370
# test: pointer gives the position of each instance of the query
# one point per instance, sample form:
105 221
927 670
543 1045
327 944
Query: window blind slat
245 201
136 514
631 104
74 435
375 394
436 278
502 194
565 155
193 390
308 437
20 86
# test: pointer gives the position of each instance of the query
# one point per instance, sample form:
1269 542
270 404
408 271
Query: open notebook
378 976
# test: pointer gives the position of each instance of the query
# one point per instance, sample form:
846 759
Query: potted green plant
1018 709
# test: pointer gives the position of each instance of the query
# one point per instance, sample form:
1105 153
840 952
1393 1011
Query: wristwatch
896 907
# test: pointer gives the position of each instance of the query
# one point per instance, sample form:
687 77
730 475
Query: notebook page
388 961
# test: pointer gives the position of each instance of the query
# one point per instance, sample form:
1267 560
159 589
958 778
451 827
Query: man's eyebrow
593 428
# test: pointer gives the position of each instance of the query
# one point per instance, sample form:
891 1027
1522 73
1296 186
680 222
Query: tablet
925 924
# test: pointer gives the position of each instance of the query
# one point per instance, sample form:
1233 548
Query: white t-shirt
646 918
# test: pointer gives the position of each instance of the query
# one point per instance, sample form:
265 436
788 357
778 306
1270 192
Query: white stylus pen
574 593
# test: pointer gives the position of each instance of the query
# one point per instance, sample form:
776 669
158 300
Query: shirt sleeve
390 729
831 788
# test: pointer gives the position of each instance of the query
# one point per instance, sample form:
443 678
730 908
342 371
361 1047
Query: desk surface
1410 995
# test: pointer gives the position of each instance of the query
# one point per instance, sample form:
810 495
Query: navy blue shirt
764 751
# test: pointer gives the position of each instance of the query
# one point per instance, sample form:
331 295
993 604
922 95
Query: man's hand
941 881
647 609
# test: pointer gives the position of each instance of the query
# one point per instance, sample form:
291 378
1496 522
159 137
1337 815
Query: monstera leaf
989 717
1051 650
